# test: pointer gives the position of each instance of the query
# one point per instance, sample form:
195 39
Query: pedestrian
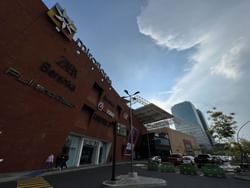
63 160
58 162
50 161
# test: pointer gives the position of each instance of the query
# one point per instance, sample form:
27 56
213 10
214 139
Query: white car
230 168
156 159
188 160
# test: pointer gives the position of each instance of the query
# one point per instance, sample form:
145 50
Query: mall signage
60 18
37 87
89 142
46 68
107 111
93 60
64 64
63 23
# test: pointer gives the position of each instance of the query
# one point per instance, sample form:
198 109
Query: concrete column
80 152
96 161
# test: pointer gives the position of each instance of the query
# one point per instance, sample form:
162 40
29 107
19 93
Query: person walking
50 161
63 160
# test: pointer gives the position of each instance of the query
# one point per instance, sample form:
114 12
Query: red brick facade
48 90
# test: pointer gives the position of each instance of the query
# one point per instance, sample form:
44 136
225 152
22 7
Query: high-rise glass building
205 126
191 121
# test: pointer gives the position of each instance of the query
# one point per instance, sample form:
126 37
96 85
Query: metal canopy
151 113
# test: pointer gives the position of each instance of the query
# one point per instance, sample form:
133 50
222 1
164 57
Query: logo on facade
110 113
100 106
60 18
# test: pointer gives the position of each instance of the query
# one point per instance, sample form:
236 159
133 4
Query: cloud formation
219 67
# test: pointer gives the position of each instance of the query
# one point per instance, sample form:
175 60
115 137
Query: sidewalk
243 176
7 177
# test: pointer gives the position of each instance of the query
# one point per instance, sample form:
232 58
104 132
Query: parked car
188 160
202 159
227 167
217 159
156 159
175 158
225 158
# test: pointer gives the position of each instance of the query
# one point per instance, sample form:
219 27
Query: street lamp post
237 137
114 126
131 127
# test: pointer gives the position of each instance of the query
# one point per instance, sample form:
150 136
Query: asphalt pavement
93 178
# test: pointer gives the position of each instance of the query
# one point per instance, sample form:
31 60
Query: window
119 110
87 114
95 94
121 129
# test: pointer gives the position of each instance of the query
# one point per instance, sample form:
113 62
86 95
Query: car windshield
175 155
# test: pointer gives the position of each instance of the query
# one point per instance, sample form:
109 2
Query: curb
242 178
8 177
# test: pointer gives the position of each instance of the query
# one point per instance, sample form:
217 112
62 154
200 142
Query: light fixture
131 127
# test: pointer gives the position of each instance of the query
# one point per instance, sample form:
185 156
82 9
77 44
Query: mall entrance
83 150
87 154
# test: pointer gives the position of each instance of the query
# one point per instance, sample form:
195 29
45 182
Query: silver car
188 160
156 159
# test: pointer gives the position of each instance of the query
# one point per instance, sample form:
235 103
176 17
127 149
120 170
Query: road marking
36 182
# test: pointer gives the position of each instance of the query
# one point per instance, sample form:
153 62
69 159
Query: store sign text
110 113
101 107
37 87
90 142
67 66
46 68
92 59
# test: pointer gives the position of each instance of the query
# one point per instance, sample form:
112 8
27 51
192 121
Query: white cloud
229 63
219 31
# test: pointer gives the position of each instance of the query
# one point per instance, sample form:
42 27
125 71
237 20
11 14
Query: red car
175 158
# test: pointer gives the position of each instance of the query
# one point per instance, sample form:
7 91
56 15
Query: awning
151 113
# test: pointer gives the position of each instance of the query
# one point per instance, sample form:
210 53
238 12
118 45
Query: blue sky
171 50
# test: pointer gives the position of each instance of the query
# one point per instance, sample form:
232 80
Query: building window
87 114
119 110
121 129
95 94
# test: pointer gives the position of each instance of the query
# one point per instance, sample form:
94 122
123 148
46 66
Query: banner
135 135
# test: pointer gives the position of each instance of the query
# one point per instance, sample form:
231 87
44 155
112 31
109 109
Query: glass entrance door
71 148
87 153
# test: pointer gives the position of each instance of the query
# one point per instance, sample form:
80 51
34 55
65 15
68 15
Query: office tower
189 121
205 126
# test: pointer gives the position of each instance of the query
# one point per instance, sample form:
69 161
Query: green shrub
167 167
153 166
188 169
213 170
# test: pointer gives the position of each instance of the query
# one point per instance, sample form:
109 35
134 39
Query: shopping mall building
55 97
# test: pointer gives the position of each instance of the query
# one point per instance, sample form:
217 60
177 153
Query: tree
240 150
245 144
222 125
